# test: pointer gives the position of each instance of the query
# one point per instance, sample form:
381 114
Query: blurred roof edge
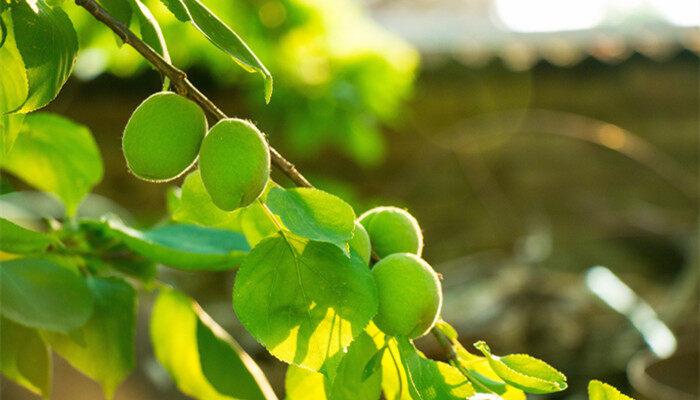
472 33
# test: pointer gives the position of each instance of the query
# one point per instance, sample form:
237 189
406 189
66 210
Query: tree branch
184 87
179 79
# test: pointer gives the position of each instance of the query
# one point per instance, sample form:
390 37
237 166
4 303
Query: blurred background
549 149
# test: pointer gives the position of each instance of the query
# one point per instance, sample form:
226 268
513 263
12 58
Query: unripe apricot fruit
392 230
162 138
410 295
234 162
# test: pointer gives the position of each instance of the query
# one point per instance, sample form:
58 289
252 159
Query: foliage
303 289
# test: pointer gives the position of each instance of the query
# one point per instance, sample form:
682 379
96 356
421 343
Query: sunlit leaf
205 362
196 207
428 379
525 372
304 301
598 390
40 293
10 126
25 358
14 86
347 381
56 155
48 45
18 240
220 35
314 214
184 246
103 348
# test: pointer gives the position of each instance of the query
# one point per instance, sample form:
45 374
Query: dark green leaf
314 214
103 349
56 155
598 390
41 293
150 29
350 382
220 35
184 246
304 301
525 372
25 358
428 379
48 45
205 362
119 9
18 240
374 364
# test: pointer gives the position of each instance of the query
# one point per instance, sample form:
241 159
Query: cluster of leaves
301 290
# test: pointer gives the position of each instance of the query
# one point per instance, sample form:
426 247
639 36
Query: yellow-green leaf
25 358
598 390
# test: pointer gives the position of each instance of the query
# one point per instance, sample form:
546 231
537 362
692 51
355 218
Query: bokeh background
549 149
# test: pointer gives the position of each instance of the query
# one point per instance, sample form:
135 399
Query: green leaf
303 384
184 246
428 379
25 358
39 293
150 29
205 362
374 364
314 214
103 349
598 390
304 301
119 9
14 86
56 155
220 35
18 240
48 45
347 383
10 126
350 382
256 224
195 207
525 372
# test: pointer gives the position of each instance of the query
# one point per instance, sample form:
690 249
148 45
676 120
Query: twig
184 87
179 79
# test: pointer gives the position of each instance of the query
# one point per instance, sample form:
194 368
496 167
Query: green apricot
234 162
392 230
360 243
410 295
162 138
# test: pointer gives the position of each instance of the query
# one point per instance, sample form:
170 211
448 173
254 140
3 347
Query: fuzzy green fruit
410 295
360 243
234 162
162 138
392 230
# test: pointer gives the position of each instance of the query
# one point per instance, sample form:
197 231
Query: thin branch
184 87
179 79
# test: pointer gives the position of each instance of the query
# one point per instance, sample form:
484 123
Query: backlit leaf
40 293
205 362
220 35
14 86
103 348
56 155
314 214
525 372
304 301
598 390
428 379
25 358
48 45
